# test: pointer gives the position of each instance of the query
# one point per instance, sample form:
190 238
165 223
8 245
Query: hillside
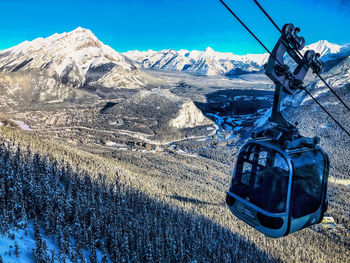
185 192
127 157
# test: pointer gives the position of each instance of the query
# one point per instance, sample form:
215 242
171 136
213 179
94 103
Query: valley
142 154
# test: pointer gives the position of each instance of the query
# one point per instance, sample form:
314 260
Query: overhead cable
318 74
268 51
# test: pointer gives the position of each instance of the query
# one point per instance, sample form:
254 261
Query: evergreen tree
52 256
60 242
149 254
66 242
125 250
93 255
40 252
81 256
17 251
104 258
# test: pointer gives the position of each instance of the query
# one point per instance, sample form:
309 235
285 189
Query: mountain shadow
85 211
235 102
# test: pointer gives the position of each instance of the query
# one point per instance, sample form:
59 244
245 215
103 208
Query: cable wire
322 79
329 87
268 51
262 9
239 20
256 38
319 104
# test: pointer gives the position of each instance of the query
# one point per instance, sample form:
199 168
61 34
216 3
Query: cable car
279 189
279 184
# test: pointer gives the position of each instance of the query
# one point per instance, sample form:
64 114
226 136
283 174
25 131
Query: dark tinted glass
307 183
261 177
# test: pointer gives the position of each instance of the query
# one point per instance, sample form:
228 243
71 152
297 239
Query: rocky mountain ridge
62 63
207 62
212 63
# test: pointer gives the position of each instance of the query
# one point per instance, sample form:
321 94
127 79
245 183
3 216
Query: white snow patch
23 125
263 119
24 238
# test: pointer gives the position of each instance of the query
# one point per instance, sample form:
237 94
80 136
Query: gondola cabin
279 184
279 188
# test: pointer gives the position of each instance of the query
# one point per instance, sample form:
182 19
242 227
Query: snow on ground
24 239
170 78
263 119
22 125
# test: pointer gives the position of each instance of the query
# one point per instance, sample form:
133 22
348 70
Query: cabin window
262 158
261 178
307 183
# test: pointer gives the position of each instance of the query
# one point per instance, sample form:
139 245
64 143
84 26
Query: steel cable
322 79
256 38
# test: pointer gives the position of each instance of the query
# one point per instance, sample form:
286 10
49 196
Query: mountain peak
79 33
209 50
80 29
324 47
66 56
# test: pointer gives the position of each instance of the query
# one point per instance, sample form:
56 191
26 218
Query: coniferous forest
83 212
86 203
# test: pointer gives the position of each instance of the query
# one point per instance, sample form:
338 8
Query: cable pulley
313 63
293 44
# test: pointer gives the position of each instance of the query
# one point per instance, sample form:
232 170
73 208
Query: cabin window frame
244 156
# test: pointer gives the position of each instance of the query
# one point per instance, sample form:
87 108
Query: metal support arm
285 80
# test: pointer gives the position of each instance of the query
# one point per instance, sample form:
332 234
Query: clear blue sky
161 24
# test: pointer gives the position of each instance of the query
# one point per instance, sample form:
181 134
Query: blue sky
188 24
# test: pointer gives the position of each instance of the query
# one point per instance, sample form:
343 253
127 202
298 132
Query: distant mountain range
75 65
210 62
207 62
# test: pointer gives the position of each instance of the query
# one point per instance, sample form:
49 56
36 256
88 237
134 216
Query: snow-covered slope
19 246
76 59
207 62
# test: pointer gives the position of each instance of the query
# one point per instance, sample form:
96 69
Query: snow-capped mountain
324 48
70 60
75 65
210 62
207 62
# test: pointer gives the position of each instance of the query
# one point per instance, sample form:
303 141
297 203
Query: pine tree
149 254
52 256
125 250
41 255
17 251
104 258
60 242
93 255
11 194
4 226
81 256
66 242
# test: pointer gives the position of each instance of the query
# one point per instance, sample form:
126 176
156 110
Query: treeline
80 211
